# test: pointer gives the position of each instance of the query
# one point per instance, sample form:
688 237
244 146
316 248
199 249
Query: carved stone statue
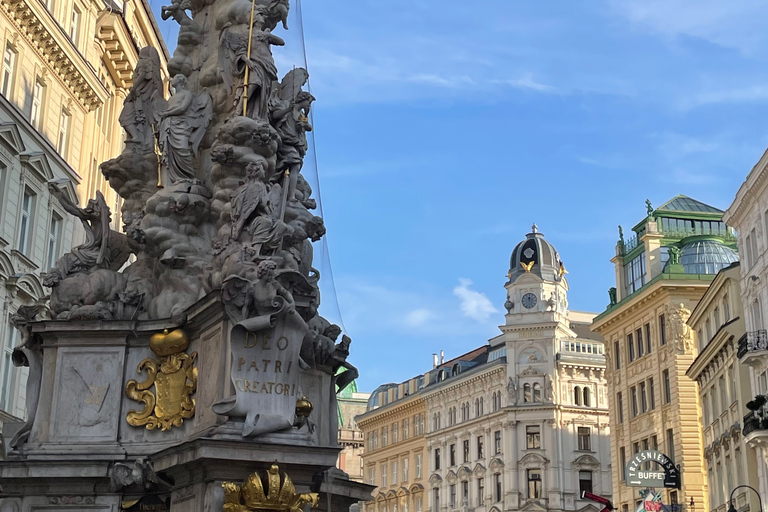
680 333
252 212
277 12
674 255
30 354
550 390
182 129
621 234
512 390
143 104
648 207
262 72
189 36
103 247
612 295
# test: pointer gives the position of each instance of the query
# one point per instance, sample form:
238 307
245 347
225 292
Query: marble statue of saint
679 331
142 106
262 72
252 210
182 129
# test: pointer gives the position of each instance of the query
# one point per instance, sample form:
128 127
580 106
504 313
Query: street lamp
759 501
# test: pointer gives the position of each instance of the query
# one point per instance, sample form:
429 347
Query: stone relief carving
680 333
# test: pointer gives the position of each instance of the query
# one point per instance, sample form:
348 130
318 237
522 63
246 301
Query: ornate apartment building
523 424
351 403
520 423
394 458
662 272
66 68
748 215
724 390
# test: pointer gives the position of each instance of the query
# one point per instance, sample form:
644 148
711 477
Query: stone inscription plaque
265 373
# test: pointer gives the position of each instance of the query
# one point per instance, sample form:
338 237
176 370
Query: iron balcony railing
754 341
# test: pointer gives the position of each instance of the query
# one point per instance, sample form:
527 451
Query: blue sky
444 129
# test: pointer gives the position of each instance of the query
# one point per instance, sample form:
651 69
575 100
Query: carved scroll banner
265 373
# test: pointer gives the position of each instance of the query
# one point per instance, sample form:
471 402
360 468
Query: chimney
434 361
442 357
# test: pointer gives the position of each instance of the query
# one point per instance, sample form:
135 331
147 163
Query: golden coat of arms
252 497
174 377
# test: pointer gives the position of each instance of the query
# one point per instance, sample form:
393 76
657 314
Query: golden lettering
247 385
278 367
254 366
239 384
255 387
286 390
240 363
265 389
282 343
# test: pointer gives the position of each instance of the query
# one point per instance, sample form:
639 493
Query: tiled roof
683 203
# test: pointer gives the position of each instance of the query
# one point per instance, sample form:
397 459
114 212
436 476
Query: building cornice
385 414
486 370
49 41
749 191
119 48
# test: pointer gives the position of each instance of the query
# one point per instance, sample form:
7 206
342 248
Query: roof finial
534 228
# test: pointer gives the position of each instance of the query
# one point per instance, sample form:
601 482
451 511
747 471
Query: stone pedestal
80 433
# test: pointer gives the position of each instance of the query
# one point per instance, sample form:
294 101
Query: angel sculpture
103 248
277 11
141 108
289 115
262 72
182 129
252 211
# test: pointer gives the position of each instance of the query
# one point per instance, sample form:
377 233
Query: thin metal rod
247 59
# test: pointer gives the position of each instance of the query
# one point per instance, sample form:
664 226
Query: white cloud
419 317
474 304
528 82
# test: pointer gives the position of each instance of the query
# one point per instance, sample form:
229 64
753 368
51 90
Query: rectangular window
405 430
27 215
648 343
497 442
533 437
62 143
7 370
384 436
753 245
724 403
35 112
662 330
480 446
53 240
435 499
9 70
418 466
383 475
670 444
585 481
585 442
372 476
623 463
405 470
465 445
480 491
620 406
452 455
464 493
633 400
394 432
437 458
616 355
640 345
666 388
643 398
74 26
716 315
418 504
651 393
452 495
534 483
726 309
394 473
497 487
630 348
635 273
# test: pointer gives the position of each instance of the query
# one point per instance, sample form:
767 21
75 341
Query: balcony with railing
757 419
754 343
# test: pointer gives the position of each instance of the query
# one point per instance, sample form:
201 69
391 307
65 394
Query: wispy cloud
528 82
419 317
474 304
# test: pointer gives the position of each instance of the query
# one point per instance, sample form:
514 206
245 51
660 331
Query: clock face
529 300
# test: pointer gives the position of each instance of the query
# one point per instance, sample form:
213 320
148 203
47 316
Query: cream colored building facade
65 70
395 459
523 423
724 389
748 215
649 348
351 403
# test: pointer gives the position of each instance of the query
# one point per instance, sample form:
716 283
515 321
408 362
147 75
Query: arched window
586 397
537 392
577 395
527 393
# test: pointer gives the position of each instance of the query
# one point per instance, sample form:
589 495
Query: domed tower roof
537 256
706 257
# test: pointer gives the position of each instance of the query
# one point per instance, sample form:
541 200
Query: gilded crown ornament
251 496
174 378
